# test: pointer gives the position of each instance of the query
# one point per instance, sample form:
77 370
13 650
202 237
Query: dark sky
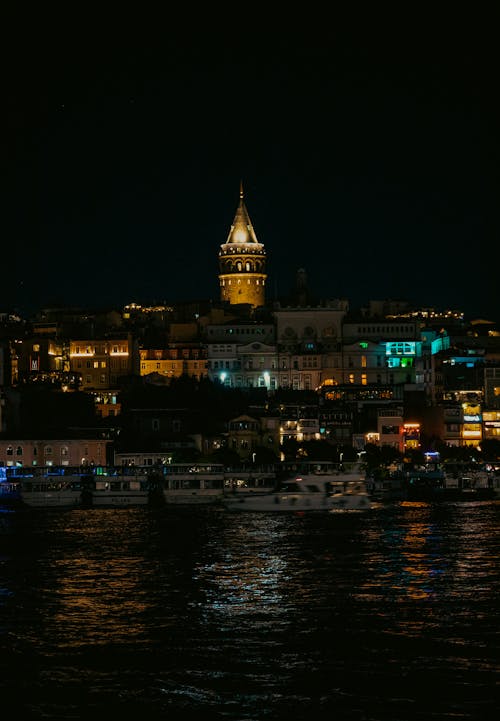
370 160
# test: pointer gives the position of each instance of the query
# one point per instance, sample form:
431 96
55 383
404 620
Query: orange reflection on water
97 592
409 562
420 570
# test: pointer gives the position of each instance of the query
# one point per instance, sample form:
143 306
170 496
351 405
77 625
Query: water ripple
383 616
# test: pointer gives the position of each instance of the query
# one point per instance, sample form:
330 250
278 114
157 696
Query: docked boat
319 488
10 487
116 487
434 482
50 487
74 487
479 485
191 483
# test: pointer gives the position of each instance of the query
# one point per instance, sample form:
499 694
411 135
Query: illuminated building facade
390 428
173 362
393 431
53 452
458 421
411 436
309 344
242 354
38 358
101 362
242 263
391 352
472 423
491 425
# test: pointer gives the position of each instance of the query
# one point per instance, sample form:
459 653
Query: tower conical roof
241 230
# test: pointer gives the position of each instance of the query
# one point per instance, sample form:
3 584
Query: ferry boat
50 487
10 487
74 487
471 485
205 483
191 483
319 488
116 487
434 482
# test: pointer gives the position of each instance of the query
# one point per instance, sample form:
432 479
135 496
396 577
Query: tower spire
242 262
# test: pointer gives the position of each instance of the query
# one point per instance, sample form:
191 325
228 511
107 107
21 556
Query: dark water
135 613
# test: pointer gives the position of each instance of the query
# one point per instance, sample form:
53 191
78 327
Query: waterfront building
61 451
159 454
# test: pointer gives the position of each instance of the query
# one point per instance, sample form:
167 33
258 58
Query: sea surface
388 615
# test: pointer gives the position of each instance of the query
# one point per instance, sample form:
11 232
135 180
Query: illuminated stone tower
242 262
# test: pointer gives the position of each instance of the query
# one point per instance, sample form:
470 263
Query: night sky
370 161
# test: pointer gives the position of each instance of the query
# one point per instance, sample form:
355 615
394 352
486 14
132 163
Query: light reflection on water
248 576
253 615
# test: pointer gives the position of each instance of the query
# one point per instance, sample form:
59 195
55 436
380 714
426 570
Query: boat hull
118 500
52 499
192 498
276 503
286 503
111 491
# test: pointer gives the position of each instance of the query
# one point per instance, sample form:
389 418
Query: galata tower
242 262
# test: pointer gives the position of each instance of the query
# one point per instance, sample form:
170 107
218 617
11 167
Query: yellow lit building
101 362
242 263
171 362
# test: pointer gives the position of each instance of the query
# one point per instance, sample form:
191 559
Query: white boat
81 487
319 489
192 483
51 487
10 487
116 487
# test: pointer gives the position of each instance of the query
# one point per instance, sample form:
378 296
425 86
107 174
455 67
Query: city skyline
369 165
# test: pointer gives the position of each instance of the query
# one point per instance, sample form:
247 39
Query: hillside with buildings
245 377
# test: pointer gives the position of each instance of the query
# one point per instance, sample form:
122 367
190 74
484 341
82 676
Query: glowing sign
401 348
